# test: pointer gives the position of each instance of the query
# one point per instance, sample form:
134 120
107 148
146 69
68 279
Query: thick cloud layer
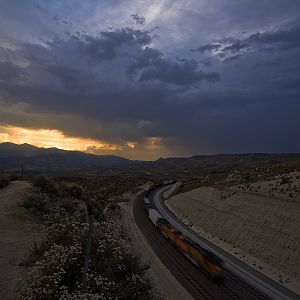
130 76
261 41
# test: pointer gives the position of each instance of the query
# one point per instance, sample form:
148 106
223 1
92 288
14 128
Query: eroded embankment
264 227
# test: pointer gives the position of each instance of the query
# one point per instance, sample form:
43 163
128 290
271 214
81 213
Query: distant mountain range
26 150
35 158
12 156
227 162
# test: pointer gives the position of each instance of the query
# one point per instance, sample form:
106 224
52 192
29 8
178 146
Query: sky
150 79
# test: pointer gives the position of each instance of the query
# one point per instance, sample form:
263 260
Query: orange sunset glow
52 138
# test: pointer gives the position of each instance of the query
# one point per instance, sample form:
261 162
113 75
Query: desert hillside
261 219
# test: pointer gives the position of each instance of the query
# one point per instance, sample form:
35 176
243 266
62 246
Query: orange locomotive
194 252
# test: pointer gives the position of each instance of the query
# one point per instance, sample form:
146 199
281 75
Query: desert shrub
114 261
70 190
45 184
284 180
59 266
4 181
36 201
13 177
114 272
63 228
96 206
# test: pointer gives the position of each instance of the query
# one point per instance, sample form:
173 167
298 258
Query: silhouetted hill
35 158
25 150
226 162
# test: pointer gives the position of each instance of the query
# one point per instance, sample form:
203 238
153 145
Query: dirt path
17 231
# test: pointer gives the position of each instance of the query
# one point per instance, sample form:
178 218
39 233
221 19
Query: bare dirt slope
17 231
261 219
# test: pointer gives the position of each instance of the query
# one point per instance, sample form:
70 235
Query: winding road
241 281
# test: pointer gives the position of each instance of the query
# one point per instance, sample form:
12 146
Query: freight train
198 255
147 204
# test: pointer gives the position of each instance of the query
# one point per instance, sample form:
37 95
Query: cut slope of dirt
17 232
265 225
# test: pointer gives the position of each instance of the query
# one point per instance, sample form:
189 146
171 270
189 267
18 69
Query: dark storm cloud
231 58
97 86
235 47
154 66
208 47
81 69
11 73
287 84
280 39
138 19
127 85
268 41
269 63
144 59
105 46
183 72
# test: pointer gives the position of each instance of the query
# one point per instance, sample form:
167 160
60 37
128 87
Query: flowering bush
44 184
58 266
62 263
64 228
111 257
4 181
113 273
36 201
70 190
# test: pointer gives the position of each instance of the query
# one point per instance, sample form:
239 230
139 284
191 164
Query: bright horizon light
48 138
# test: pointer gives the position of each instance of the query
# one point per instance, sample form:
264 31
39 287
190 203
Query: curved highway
241 281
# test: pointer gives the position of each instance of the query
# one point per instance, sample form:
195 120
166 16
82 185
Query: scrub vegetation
6 179
57 262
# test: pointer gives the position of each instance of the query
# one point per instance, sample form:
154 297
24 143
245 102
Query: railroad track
237 274
258 294
156 240
192 278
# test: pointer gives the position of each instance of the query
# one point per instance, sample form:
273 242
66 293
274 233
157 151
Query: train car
170 232
195 253
147 204
205 259
155 216
198 255
168 181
